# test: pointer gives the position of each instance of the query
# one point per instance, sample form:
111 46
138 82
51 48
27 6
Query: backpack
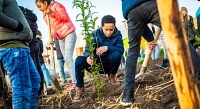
189 29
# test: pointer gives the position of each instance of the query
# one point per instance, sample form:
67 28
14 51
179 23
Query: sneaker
72 86
128 97
79 94
49 87
165 63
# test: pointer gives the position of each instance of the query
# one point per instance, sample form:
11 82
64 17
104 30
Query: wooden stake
179 56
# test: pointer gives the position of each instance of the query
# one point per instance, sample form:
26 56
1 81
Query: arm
86 52
147 34
119 45
6 21
60 12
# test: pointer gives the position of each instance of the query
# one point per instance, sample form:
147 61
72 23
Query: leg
17 63
113 62
35 82
38 66
67 46
157 51
61 63
80 65
195 61
137 20
46 74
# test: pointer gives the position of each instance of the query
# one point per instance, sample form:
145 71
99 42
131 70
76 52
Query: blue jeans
23 75
110 65
163 44
137 20
46 74
156 52
61 63
67 46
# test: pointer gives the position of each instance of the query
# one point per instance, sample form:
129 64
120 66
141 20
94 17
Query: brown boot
112 79
79 93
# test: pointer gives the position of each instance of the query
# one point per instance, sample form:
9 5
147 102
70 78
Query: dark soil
154 90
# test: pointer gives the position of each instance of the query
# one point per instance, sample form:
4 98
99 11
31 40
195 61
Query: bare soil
154 90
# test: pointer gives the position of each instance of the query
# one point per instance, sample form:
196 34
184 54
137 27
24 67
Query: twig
161 89
137 89
117 100
151 88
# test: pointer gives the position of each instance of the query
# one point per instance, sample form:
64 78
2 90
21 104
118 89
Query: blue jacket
114 43
127 5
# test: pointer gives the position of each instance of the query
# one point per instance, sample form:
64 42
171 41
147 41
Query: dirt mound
154 90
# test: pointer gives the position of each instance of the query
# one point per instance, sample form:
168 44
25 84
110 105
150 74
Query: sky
103 7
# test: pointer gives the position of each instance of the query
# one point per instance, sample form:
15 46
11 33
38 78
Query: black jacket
58 51
31 19
41 51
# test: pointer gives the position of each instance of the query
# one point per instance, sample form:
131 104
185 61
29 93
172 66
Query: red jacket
61 24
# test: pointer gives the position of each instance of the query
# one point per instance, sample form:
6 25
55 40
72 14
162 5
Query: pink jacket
61 24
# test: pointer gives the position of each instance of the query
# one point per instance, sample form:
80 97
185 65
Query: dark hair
48 1
107 19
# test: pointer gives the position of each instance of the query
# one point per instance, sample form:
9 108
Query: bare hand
51 42
47 11
89 61
101 50
152 44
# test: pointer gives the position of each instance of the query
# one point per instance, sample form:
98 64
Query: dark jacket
32 19
11 17
189 29
58 51
127 5
114 43
41 51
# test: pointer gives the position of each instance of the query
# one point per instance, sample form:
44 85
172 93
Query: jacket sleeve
147 34
59 12
93 42
119 45
6 21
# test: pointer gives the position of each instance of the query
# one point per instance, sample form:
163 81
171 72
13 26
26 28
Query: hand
51 42
89 61
101 50
19 27
47 11
152 44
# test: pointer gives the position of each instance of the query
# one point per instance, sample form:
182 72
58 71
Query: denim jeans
156 52
46 74
35 57
163 44
110 66
61 63
67 46
23 75
137 20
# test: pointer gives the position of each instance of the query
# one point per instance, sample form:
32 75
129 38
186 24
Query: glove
19 28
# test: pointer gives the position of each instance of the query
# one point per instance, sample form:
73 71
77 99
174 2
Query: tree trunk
179 55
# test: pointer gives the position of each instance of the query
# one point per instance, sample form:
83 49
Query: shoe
165 63
79 94
112 79
72 86
128 97
49 87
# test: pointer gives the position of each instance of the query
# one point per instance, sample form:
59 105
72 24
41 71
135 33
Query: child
15 57
63 29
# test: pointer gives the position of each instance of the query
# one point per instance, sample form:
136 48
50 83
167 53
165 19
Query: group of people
19 47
